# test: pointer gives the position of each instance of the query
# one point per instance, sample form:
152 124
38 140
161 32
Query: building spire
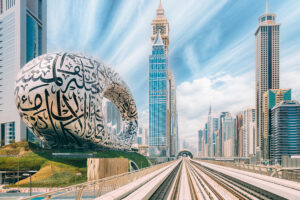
267 7
209 109
160 10
160 5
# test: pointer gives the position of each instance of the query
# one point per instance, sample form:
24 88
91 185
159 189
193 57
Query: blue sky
211 52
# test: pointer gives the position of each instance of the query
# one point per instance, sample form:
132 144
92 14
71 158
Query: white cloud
226 93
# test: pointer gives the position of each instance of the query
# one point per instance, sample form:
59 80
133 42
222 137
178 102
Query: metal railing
292 174
96 187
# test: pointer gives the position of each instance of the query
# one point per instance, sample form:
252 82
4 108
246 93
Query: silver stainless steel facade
60 95
267 38
23 28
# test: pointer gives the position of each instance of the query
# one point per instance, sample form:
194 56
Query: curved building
59 97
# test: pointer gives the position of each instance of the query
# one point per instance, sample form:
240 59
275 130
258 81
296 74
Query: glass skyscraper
227 133
158 75
285 130
220 137
163 126
23 29
271 98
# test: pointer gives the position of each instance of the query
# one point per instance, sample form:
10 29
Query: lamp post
18 170
29 182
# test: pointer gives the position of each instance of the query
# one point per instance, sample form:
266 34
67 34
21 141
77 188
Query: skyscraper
158 96
200 142
271 98
220 137
285 130
227 133
209 132
249 127
215 128
267 64
22 37
163 126
240 138
172 108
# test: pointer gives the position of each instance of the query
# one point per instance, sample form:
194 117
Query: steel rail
193 189
240 188
211 188
165 188
203 189
173 193
232 191
234 186
200 192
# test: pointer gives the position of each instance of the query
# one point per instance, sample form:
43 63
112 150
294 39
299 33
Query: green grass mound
55 172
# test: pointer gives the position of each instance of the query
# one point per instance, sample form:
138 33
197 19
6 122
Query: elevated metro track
190 179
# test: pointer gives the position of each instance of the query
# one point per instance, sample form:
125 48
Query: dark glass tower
285 130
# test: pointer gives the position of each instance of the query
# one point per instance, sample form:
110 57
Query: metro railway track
190 180
238 189
164 189
202 183
221 183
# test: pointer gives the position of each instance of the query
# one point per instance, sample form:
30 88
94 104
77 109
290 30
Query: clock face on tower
162 29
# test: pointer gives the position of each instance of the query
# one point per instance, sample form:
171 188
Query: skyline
211 60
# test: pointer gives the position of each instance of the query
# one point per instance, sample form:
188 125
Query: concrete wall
98 168
287 161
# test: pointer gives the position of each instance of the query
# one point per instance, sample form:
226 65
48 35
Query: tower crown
160 12
267 18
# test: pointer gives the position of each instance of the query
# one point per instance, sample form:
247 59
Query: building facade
215 129
158 96
23 32
267 41
163 120
220 137
249 130
209 133
172 111
227 133
271 98
200 143
239 135
285 130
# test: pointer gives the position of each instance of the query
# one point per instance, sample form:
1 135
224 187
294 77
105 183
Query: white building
23 31
249 136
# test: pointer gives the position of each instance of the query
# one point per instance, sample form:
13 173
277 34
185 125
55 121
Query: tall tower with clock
161 24
163 128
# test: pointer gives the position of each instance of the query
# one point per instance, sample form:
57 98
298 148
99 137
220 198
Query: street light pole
30 185
18 170
27 174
